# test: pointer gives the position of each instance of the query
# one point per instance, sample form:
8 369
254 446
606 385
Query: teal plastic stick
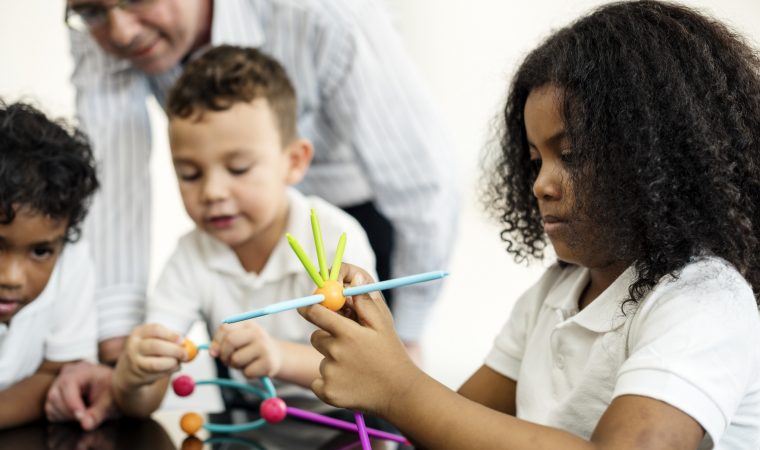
234 384
276 308
394 283
203 346
234 428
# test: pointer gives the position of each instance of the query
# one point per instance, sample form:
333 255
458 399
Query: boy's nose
215 189
12 273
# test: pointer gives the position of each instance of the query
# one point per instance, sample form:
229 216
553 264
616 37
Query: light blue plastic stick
394 283
317 298
276 308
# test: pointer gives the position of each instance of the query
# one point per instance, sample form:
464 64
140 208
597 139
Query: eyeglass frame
121 4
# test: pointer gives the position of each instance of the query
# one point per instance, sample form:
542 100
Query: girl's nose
548 184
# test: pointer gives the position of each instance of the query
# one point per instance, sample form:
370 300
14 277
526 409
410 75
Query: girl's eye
42 253
535 165
567 156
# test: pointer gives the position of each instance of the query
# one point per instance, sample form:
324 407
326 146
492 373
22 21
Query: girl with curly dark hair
631 143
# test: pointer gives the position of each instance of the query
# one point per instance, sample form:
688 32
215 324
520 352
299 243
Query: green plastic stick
338 258
320 246
305 260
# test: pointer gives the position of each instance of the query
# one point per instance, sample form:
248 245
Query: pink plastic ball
273 410
183 385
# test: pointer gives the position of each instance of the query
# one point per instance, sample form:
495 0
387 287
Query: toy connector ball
273 410
192 443
183 385
190 348
191 423
333 292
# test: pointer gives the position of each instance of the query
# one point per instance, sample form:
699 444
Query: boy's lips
221 222
9 306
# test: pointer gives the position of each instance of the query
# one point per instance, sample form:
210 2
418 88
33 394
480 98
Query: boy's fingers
154 330
161 348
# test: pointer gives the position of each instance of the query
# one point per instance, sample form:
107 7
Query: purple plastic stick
343 425
363 438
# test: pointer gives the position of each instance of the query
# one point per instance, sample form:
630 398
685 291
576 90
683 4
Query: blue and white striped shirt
360 101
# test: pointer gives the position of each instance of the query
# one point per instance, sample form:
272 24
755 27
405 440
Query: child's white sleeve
506 355
74 333
176 301
695 347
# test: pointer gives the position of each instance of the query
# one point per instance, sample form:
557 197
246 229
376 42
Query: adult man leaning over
379 148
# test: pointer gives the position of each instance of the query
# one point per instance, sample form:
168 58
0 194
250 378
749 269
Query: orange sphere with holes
191 423
333 292
190 348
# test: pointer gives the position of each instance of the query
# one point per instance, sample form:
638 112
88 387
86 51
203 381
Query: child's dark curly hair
44 167
662 108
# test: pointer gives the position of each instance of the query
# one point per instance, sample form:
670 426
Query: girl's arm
366 368
482 385
24 401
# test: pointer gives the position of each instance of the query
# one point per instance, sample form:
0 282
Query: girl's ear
298 153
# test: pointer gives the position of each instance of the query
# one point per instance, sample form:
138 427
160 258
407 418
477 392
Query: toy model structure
331 294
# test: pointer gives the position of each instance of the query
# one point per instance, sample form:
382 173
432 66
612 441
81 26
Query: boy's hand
81 392
247 347
152 352
366 365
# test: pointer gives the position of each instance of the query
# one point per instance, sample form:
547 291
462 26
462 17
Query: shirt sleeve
177 299
111 108
74 332
690 347
372 93
508 350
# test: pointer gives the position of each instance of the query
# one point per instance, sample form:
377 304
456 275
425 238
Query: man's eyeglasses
87 15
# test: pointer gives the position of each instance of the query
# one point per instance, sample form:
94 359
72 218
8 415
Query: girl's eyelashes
42 253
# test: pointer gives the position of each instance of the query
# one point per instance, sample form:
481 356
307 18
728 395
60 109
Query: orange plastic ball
191 423
190 348
333 292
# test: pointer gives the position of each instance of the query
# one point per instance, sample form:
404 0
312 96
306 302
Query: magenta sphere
183 385
273 410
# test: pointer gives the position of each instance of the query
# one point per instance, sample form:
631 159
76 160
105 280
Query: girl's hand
246 346
152 352
366 365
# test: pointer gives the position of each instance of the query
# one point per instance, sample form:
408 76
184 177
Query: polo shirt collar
236 22
604 313
282 261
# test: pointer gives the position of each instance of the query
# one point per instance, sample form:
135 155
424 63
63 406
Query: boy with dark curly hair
631 144
47 314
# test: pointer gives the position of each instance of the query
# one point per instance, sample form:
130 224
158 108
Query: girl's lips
552 224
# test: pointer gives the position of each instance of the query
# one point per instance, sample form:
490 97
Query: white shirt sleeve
507 353
110 99
73 334
373 95
687 338
177 299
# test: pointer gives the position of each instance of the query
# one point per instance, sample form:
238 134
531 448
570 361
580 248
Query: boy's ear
299 154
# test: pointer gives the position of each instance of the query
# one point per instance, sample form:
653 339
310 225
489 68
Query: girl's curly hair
45 166
661 105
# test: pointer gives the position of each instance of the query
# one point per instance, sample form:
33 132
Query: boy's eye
42 253
188 175
238 170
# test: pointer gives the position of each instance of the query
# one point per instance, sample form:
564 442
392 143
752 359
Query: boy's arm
24 401
138 401
300 363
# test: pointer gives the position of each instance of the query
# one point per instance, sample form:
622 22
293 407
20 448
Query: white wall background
465 49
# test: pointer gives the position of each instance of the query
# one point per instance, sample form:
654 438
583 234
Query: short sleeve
691 346
73 334
506 355
176 301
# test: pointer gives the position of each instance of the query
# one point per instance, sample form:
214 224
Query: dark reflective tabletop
163 433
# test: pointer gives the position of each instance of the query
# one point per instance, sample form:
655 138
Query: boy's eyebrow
54 241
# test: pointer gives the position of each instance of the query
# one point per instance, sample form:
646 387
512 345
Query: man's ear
299 153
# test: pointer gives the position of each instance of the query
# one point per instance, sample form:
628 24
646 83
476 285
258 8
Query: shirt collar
604 313
237 22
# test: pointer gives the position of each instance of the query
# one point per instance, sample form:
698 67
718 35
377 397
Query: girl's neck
600 279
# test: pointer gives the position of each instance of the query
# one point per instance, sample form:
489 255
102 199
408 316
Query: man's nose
123 28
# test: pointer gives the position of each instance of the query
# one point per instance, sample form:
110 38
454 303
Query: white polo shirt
204 279
59 325
692 343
